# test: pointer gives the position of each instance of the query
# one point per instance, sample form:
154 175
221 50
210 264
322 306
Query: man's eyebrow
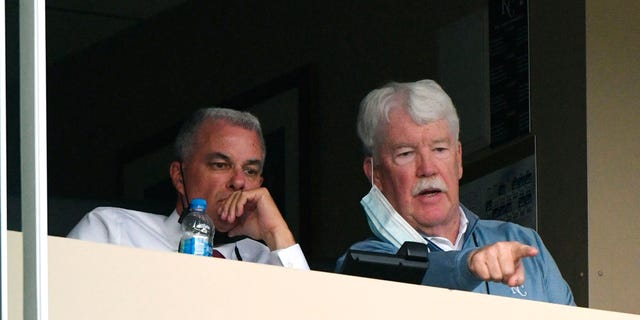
218 155
226 158
253 162
442 140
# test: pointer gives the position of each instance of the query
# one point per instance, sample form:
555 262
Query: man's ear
368 168
175 172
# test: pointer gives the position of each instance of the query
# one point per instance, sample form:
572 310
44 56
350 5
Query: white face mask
385 222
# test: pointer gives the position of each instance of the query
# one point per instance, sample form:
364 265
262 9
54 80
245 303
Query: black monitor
409 264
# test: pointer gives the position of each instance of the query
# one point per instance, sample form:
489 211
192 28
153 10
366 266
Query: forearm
280 238
450 270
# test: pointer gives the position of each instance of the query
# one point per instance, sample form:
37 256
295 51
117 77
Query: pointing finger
523 251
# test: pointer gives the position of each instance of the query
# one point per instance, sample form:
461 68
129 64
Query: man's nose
238 180
425 165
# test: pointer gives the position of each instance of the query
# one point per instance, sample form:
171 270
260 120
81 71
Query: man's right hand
254 213
501 262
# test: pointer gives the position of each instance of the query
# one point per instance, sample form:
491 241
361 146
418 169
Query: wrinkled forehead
401 131
228 138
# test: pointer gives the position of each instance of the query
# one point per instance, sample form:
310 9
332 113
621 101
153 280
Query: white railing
33 157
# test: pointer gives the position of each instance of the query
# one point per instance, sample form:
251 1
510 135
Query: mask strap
372 172
185 206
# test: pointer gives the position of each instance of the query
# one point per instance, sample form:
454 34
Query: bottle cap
199 204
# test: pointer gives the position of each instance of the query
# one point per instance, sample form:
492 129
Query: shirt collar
444 243
172 228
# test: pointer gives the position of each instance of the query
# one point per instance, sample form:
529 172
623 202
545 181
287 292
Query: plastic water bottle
197 230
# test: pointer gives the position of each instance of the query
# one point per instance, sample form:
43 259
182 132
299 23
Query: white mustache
429 183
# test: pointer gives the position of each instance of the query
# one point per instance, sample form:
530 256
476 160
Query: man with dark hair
219 157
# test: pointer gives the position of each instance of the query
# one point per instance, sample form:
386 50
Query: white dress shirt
444 243
157 232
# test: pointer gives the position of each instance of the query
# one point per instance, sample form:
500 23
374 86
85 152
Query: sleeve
449 270
558 290
95 227
339 264
291 257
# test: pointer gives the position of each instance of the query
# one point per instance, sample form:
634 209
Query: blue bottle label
197 246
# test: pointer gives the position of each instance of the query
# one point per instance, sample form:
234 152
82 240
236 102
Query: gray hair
185 140
424 100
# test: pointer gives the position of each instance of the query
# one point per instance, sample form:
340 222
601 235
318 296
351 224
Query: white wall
613 143
101 281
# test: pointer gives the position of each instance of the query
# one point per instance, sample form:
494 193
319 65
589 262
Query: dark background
120 82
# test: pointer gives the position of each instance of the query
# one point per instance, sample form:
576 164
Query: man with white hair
413 159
